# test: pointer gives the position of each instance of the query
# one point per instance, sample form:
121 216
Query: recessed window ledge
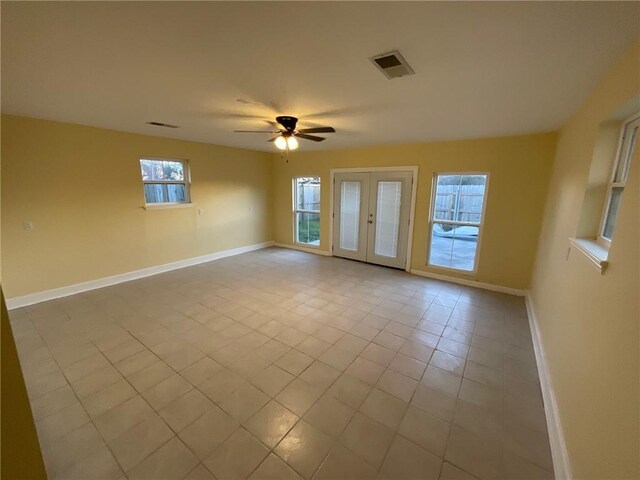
164 206
594 252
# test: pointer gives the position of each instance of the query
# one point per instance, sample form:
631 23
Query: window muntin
165 181
456 220
307 210
619 177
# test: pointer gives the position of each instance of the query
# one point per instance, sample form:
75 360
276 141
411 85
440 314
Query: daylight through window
456 220
164 181
307 210
619 178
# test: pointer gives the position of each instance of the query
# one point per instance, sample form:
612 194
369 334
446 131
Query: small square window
165 181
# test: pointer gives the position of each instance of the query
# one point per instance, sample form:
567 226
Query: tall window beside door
455 224
307 210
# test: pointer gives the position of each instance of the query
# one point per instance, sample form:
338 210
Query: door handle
370 221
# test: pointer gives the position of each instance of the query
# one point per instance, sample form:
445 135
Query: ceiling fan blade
309 137
255 131
318 130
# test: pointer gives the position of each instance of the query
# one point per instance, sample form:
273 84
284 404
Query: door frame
412 210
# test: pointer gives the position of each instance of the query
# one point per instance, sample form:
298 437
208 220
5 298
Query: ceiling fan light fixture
292 143
281 143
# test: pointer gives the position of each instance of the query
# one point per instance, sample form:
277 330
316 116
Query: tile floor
278 364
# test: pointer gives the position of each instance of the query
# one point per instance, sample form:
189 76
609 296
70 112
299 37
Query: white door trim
412 211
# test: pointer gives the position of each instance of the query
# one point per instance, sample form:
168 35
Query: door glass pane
308 228
453 246
387 219
612 212
349 215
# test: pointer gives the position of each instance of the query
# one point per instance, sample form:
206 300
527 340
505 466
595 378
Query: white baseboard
561 463
303 249
470 283
38 297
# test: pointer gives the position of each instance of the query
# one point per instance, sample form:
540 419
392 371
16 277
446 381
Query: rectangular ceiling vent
392 64
160 124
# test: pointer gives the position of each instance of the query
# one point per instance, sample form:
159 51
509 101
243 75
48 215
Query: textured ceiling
482 69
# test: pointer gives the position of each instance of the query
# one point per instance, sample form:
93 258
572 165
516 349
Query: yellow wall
81 188
590 322
519 169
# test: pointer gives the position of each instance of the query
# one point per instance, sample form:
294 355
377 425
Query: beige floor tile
150 376
329 416
291 337
367 438
60 423
435 377
201 371
313 346
482 395
272 350
237 457
481 374
209 431
476 455
221 385
250 365
320 375
123 350
138 442
84 367
349 390
199 473
253 340
272 468
435 402
479 421
45 383
448 362
351 343
171 461
408 366
166 391
118 420
244 402
365 370
397 385
528 444
97 381
108 398
52 402
451 472
230 353
426 430
272 380
71 449
304 448
417 350
298 396
99 465
183 411
384 408
514 466
343 464
294 362
378 354
424 338
338 358
406 460
271 423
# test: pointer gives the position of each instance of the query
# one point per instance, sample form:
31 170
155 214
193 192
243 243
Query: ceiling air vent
392 64
160 124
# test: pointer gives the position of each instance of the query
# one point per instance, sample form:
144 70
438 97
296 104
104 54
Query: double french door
371 216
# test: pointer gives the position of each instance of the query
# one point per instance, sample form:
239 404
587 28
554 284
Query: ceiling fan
287 133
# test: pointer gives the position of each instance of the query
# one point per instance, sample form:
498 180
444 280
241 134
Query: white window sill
165 206
593 251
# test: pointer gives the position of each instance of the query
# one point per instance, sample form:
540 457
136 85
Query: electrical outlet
28 226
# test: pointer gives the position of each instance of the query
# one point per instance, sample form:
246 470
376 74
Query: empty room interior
320 240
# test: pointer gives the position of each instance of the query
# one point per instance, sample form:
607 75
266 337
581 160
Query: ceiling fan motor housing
289 123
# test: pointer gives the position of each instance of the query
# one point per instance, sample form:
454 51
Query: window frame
296 211
480 225
186 182
601 239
